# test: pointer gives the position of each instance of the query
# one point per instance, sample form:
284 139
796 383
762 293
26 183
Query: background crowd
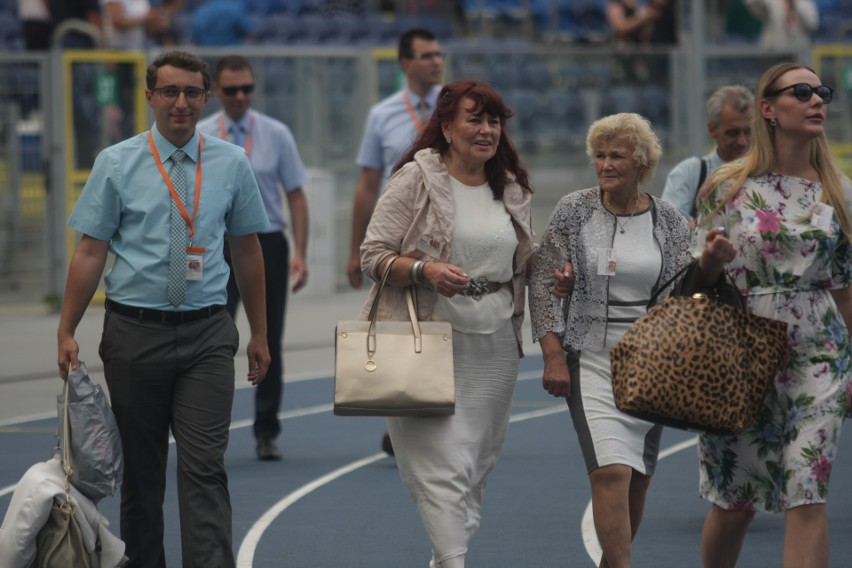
139 24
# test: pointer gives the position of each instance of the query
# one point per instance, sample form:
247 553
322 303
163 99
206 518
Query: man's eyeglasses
426 55
232 91
804 92
193 94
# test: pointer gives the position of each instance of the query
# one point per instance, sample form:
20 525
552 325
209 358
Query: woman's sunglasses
804 92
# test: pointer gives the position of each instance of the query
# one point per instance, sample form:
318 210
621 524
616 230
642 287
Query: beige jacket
418 202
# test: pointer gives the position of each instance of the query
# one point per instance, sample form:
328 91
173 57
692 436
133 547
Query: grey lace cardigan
578 227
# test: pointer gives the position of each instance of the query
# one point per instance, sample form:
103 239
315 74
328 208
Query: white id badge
821 215
606 262
428 245
194 266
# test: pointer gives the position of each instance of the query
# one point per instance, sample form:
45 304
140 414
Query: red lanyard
224 135
184 213
414 118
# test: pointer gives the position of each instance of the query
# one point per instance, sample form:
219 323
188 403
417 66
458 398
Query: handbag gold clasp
699 296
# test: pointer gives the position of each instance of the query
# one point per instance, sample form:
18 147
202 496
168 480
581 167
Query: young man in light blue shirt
729 111
277 166
168 344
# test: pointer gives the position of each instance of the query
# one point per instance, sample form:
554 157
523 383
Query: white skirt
608 436
444 462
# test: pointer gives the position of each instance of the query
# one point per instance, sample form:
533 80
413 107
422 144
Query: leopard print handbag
697 360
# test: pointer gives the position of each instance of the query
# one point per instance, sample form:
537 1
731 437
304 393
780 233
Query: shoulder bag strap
374 309
65 442
701 177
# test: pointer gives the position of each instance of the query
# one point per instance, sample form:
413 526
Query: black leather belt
160 316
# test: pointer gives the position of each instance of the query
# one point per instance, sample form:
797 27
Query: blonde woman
785 207
621 244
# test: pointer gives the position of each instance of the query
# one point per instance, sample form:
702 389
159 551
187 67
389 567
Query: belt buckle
477 288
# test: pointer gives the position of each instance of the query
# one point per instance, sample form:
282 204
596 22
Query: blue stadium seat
312 29
276 29
347 28
526 126
655 107
535 74
378 30
620 98
437 24
11 33
567 117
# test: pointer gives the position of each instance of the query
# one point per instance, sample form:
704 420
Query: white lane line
299 412
525 376
245 556
587 525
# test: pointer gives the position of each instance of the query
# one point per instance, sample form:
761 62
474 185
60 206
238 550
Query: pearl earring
773 122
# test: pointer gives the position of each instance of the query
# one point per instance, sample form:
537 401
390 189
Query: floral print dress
787 262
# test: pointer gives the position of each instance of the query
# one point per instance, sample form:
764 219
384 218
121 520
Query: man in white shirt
729 112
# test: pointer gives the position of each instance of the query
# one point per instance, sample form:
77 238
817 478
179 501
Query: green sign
106 89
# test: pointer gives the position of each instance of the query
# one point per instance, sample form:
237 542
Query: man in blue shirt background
392 125
168 344
729 111
278 167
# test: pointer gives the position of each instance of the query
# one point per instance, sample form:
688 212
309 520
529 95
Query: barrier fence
57 110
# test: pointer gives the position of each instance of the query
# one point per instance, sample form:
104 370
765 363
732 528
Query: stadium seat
654 102
275 29
525 126
11 33
437 24
347 28
620 98
378 30
535 74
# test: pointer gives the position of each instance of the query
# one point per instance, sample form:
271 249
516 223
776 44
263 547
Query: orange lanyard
224 135
414 118
184 213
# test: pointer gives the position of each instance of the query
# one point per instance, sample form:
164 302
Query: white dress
444 462
608 436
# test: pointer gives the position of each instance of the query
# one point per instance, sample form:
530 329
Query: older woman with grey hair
621 244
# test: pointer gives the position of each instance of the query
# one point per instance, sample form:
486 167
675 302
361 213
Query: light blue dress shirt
390 130
682 182
274 158
126 201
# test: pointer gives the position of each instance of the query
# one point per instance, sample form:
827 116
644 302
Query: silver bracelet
412 271
418 272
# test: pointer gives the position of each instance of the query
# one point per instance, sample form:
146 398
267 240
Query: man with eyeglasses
392 125
729 112
161 203
276 163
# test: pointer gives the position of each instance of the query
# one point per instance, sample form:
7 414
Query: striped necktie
238 137
179 234
423 107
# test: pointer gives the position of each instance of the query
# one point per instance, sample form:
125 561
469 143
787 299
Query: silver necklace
621 227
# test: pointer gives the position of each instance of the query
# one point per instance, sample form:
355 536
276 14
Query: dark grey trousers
179 378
